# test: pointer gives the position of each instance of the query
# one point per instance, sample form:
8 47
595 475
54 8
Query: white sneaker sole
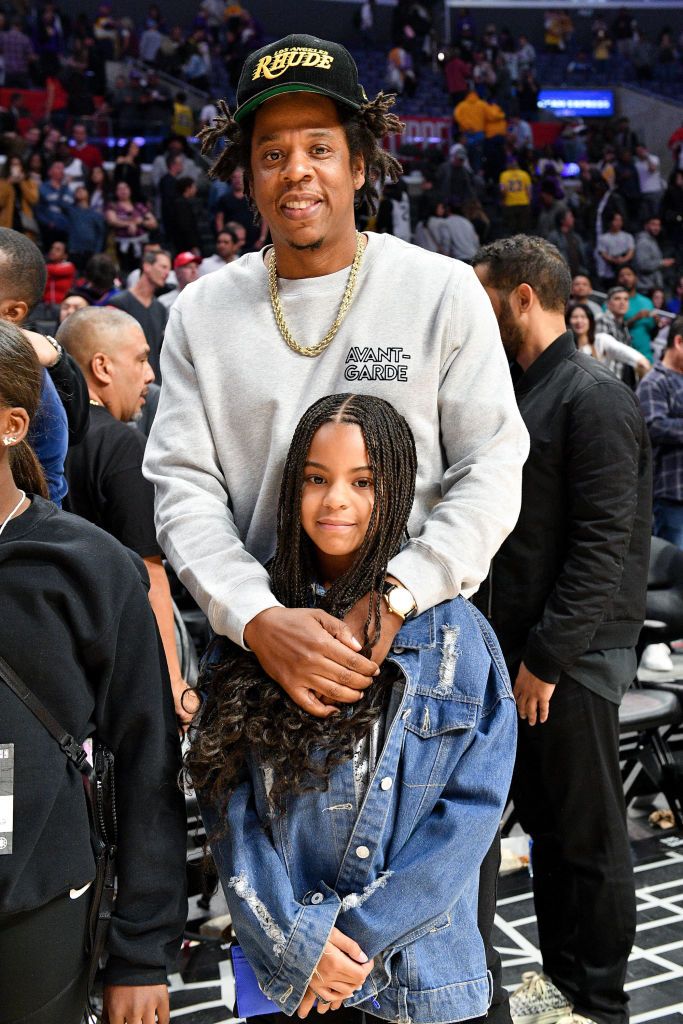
548 1017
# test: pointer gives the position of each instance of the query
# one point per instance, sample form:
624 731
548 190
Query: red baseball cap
183 258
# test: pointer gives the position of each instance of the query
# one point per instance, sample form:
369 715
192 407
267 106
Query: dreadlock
364 128
246 710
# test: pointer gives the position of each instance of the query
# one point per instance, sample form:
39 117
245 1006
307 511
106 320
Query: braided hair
247 711
364 128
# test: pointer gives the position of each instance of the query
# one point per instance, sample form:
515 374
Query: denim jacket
399 873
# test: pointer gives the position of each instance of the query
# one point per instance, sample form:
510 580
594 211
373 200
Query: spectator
150 41
457 73
227 245
127 168
431 232
185 233
99 189
638 314
462 238
661 397
603 347
527 95
183 119
643 57
520 135
526 55
651 183
581 292
628 184
393 212
569 644
141 302
168 190
649 260
101 280
495 131
675 304
71 303
549 208
612 320
515 190
672 210
470 117
132 223
454 180
55 197
174 147
235 206
625 139
186 267
614 248
18 55
61 274
106 485
89 154
87 229
569 242
18 198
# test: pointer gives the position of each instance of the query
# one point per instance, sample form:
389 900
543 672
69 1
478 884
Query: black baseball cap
298 63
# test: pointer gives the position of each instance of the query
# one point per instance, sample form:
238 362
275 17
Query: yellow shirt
470 113
183 120
515 186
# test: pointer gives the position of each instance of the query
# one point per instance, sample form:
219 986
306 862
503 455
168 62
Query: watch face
401 600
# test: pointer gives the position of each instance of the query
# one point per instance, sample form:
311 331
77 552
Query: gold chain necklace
317 349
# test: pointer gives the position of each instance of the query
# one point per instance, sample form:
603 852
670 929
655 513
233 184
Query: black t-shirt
106 485
151 318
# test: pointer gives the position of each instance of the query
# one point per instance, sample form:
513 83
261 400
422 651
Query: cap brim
250 105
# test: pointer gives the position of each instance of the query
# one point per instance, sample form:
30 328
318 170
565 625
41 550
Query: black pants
345 1015
43 968
499 1010
568 794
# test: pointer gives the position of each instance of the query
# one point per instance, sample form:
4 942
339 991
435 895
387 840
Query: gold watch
399 600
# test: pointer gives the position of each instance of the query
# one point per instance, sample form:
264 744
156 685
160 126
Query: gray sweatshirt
420 333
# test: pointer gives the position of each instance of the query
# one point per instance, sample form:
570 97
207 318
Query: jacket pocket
434 716
437 731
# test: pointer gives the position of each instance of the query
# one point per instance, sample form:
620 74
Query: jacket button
362 852
399 650
386 783
317 897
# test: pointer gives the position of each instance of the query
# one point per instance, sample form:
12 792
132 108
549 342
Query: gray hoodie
420 333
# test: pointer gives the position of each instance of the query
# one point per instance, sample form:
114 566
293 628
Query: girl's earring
9 440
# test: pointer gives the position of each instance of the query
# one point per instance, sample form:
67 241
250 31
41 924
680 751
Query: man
614 249
134 276
582 290
104 471
649 259
186 266
648 166
454 180
568 241
549 208
70 304
566 597
168 190
184 226
470 118
515 192
308 158
141 302
55 198
174 147
638 314
226 251
661 398
612 319
463 239
87 152
18 55
234 205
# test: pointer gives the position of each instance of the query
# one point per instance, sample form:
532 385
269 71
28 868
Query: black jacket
77 626
572 575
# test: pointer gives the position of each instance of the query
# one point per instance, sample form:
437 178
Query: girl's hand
341 971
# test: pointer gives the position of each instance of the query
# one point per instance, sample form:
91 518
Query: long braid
246 709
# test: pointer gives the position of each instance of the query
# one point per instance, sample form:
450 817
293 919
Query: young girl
606 349
349 847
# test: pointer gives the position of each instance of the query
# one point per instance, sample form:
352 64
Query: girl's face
122 192
97 176
658 298
337 497
578 321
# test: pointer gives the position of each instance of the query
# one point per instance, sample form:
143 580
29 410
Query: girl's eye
271 156
314 479
364 483
320 150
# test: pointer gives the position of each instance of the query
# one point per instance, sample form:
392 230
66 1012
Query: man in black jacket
566 596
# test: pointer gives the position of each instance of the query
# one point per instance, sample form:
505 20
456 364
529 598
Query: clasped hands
341 971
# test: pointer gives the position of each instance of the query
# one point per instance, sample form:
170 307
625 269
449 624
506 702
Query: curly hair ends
364 128
245 710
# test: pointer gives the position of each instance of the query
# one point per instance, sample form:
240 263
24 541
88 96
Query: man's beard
510 331
309 245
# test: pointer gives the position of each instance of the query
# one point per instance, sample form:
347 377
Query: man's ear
13 310
358 171
524 295
101 369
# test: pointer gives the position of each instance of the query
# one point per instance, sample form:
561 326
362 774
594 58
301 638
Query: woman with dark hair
18 198
78 630
131 223
100 189
127 168
606 349
330 834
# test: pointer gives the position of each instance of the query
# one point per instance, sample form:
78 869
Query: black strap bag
99 786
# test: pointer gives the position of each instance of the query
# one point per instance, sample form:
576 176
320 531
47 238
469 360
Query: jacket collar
562 348
417 633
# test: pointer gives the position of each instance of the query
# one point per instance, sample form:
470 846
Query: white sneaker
575 1018
657 658
538 1001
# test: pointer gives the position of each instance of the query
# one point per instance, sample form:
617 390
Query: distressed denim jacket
399 873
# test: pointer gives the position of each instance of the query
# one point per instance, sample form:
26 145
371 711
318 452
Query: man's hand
341 971
532 696
46 353
311 655
136 1004
185 701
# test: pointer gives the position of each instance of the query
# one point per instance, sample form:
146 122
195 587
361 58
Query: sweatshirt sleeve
135 719
195 526
73 391
486 445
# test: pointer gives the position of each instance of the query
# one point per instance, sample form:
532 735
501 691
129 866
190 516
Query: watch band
387 592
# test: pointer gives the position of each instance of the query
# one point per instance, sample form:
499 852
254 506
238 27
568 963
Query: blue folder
251 1001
